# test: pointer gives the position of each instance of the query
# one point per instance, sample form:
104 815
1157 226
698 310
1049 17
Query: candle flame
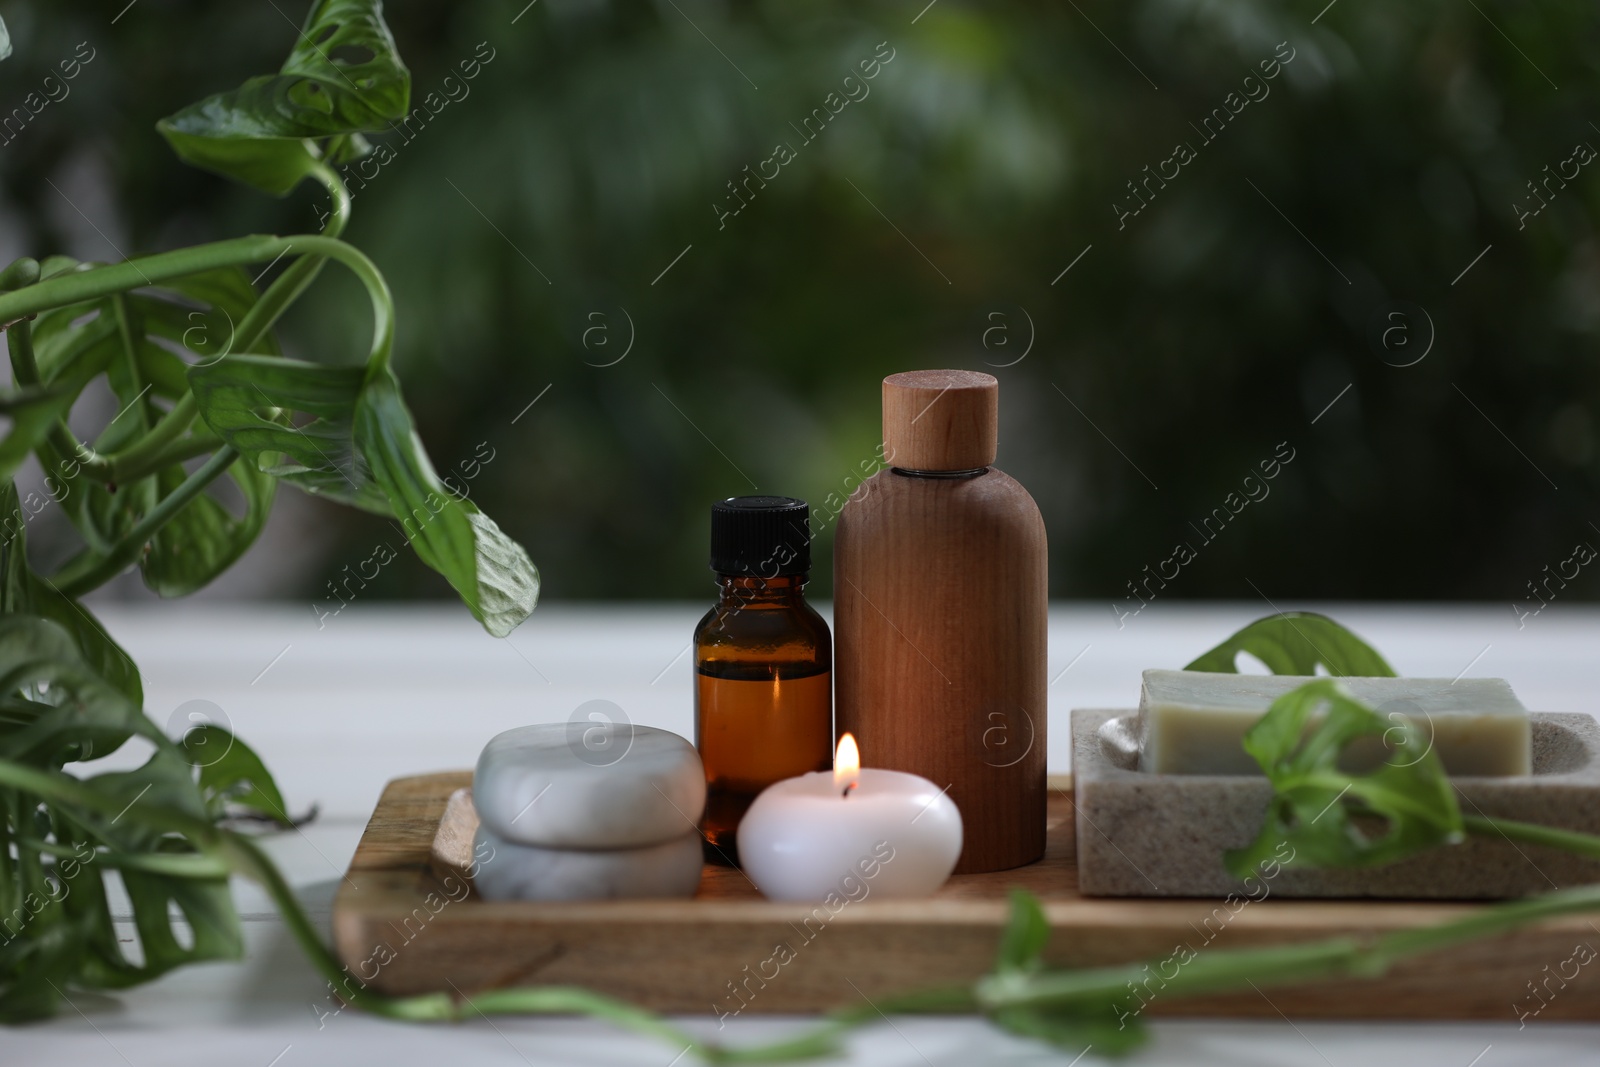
846 763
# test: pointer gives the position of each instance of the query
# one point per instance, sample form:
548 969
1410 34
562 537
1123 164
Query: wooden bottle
940 616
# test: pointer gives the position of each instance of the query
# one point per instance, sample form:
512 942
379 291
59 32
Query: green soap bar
1193 722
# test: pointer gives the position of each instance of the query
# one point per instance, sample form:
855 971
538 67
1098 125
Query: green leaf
491 572
57 707
343 77
22 592
207 907
66 936
103 655
38 963
1026 933
309 440
1322 816
204 538
1297 642
5 40
164 781
232 775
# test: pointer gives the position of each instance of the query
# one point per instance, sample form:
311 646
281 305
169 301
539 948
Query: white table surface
380 692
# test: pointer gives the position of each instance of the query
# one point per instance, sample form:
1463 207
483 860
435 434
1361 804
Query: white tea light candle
850 832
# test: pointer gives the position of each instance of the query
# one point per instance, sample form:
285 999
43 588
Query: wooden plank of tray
403 923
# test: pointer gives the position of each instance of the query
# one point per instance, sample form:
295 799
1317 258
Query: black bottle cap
761 536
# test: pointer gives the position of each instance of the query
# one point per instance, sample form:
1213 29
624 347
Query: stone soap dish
1163 835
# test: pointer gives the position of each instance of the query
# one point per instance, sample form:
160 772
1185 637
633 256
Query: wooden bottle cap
940 420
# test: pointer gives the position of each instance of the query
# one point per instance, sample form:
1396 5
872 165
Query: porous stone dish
1163 835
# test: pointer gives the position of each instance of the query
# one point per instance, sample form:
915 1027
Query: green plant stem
141 458
1285 964
288 286
148 461
24 365
130 355
180 864
86 572
58 439
823 1039
569 1000
20 273
162 446
152 452
79 286
1567 840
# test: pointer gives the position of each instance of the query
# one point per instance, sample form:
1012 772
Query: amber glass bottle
763 686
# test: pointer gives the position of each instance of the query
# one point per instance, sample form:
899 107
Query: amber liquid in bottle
763 698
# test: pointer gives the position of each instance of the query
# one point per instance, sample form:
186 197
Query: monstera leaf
22 592
143 344
346 433
343 78
1318 807
1297 642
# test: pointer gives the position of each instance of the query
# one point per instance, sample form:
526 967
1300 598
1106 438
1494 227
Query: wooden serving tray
404 922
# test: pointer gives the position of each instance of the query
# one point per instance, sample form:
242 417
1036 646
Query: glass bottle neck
754 589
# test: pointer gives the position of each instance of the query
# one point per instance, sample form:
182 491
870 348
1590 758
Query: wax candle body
891 835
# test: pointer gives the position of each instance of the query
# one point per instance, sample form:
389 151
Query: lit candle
850 833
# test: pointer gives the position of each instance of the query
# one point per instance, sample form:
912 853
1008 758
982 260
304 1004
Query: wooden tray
404 923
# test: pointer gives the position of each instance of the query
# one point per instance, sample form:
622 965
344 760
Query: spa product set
935 761
912 746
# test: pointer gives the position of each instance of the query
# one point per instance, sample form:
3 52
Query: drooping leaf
344 77
348 435
232 776
491 572
1297 642
1325 816
309 441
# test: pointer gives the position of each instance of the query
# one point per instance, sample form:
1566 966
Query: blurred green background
536 228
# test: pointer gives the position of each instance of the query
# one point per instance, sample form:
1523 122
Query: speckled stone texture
1163 835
